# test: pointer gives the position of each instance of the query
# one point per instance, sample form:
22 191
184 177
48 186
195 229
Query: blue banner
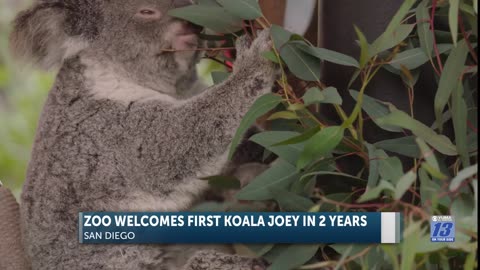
227 228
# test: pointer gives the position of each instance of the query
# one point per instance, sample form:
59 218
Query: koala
127 126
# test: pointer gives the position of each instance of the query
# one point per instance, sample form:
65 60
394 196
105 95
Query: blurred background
22 93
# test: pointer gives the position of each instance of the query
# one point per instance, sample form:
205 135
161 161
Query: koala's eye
149 14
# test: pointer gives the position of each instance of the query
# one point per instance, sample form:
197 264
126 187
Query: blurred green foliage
22 94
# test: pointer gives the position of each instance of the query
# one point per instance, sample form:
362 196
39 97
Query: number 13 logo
442 229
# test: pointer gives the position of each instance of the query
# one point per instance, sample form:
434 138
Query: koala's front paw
249 55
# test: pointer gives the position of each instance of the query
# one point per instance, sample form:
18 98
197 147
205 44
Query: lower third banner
218 228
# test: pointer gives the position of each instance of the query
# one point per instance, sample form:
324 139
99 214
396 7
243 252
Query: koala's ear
39 36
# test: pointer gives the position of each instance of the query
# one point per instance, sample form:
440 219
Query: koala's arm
196 133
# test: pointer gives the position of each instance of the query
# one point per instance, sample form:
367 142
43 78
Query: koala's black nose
182 3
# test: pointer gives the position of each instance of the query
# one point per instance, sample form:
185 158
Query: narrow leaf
321 144
281 175
450 76
375 109
300 63
462 176
263 105
405 146
245 9
331 56
270 139
439 142
453 19
425 34
404 184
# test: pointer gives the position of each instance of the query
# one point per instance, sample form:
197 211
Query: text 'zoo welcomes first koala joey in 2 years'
126 127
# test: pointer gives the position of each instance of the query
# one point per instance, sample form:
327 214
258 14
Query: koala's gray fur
118 131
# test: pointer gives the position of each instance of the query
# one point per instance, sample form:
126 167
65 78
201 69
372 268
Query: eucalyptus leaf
291 202
321 144
300 63
211 17
374 193
452 71
270 139
404 184
263 105
375 109
280 36
331 56
439 142
389 40
280 175
328 96
462 176
453 19
460 116
391 169
245 9
425 34
405 146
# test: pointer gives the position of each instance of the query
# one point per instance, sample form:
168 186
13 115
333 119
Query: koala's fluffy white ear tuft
39 36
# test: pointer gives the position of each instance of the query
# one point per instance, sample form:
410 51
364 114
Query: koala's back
79 163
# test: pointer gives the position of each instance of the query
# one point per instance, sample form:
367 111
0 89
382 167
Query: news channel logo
442 229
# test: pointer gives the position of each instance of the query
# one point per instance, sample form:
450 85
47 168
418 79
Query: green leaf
245 9
270 139
300 63
291 202
411 240
328 96
219 76
280 36
364 57
395 32
331 56
449 80
300 138
462 176
313 96
425 34
223 182
475 6
453 19
439 142
429 190
428 154
280 175
389 40
391 169
404 184
321 144
270 56
375 109
405 146
374 155
263 105
460 118
294 256
414 58
374 193
283 115
214 18
332 96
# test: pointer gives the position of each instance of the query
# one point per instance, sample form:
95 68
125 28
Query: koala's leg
213 260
